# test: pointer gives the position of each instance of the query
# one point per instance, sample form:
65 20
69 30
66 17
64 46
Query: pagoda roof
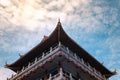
59 35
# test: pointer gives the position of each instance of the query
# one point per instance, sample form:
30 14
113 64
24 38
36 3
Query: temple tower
58 57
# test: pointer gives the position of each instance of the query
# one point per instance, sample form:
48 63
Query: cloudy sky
93 24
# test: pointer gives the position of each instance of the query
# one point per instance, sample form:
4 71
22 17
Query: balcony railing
52 52
59 76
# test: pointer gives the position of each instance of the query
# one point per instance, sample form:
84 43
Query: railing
81 63
59 76
31 66
45 56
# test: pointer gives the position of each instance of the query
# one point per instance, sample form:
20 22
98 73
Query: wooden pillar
61 73
70 76
50 76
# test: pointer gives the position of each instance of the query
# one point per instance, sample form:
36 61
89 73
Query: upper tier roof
59 35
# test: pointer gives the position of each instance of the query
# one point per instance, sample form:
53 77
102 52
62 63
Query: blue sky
93 24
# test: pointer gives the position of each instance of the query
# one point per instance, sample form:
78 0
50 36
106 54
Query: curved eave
87 57
59 35
37 50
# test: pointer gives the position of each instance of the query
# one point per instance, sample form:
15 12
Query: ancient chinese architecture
58 57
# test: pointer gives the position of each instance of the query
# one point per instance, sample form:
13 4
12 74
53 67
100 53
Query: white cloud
5 2
30 13
5 73
113 45
34 18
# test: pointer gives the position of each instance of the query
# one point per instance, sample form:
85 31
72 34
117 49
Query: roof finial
115 72
6 64
58 19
